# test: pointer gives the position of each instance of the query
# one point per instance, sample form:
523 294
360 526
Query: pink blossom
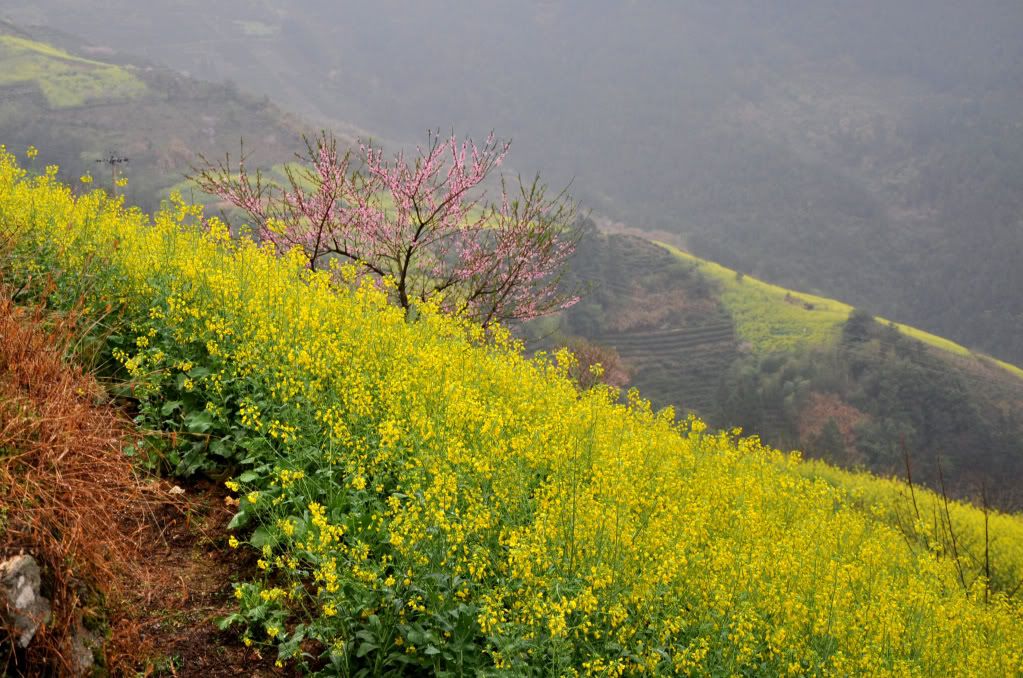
424 222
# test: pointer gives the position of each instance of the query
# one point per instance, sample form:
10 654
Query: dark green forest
878 399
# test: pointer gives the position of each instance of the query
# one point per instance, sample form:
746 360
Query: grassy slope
784 374
529 525
95 517
673 335
77 110
773 318
64 79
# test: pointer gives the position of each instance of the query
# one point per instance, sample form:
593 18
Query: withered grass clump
68 495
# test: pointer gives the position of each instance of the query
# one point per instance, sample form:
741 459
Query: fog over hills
756 409
871 151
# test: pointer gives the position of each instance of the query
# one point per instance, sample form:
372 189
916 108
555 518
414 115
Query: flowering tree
426 223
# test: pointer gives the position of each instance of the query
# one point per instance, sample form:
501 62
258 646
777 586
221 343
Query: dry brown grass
68 495
149 567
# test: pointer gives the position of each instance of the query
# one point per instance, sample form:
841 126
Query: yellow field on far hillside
64 79
773 318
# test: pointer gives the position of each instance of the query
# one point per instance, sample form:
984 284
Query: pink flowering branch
424 222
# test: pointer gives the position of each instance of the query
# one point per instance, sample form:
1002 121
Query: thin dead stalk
951 531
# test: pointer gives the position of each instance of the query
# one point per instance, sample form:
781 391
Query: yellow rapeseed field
424 498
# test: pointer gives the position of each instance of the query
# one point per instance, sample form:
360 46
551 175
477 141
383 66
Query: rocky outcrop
23 609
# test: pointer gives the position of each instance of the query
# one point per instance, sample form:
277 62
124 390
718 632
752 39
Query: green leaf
199 422
365 648
238 520
220 448
198 372
169 407
260 537
225 622
248 477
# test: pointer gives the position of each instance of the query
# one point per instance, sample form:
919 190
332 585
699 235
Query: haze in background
871 151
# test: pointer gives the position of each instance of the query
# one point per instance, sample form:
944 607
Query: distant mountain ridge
78 107
692 333
870 151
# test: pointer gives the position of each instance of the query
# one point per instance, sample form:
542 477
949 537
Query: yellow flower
574 522
86 178
32 152
287 527
233 542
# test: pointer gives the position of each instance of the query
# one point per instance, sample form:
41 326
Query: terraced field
679 366
773 318
674 354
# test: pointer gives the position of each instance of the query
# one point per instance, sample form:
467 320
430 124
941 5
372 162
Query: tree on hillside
858 326
426 223
596 364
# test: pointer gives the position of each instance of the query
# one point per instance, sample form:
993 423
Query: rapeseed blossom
418 491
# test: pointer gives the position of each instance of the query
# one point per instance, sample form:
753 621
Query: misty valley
543 338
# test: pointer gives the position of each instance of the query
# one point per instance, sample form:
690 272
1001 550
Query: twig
987 544
909 474
951 532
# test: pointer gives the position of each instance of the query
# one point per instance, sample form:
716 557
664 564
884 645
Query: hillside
658 313
883 169
78 105
133 566
697 338
803 371
422 498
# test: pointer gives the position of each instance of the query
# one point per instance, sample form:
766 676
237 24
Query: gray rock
82 645
22 606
